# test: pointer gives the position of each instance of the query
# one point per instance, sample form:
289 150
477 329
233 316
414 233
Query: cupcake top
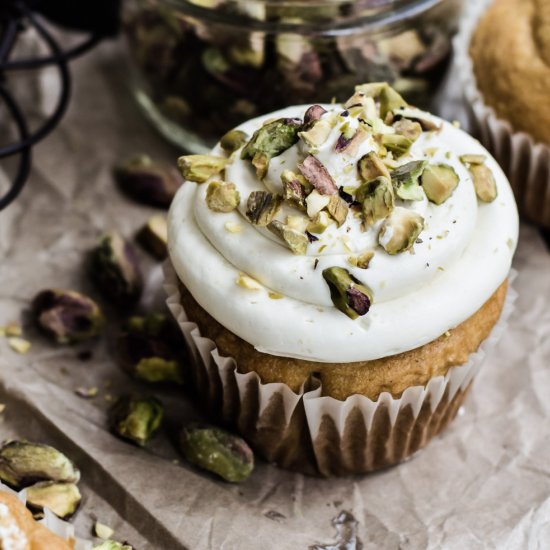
342 233
510 50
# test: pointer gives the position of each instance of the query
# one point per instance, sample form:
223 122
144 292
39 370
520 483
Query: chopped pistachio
23 463
405 180
398 145
377 198
351 145
400 230
439 181
317 131
61 498
426 125
222 197
136 418
371 167
233 227
103 531
199 168
348 294
269 141
338 208
315 112
361 261
294 188
233 140
484 182
113 545
19 345
247 282
319 223
295 240
408 129
297 222
13 329
315 202
389 99
87 393
217 451
315 172
153 236
275 295
472 159
262 207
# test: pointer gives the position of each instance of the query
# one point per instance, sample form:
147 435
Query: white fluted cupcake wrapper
525 162
322 435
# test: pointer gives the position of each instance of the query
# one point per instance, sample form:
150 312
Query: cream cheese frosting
462 255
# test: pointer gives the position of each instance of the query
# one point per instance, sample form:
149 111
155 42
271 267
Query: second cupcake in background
503 53
346 267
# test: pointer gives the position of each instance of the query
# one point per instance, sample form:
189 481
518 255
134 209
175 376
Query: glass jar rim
364 14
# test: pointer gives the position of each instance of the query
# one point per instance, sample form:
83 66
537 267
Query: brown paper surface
485 483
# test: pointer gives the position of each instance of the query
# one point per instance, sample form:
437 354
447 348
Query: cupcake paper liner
525 162
315 434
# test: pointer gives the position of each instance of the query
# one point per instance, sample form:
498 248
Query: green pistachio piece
405 180
315 202
61 498
233 141
319 223
377 198
389 99
295 188
113 545
484 182
317 131
398 145
67 316
271 140
361 261
348 294
262 207
370 167
136 418
338 208
472 159
439 181
153 236
315 173
351 145
217 451
400 230
222 197
23 463
295 240
199 168
408 128
115 269
149 347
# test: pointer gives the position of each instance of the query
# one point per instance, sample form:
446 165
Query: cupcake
339 272
504 55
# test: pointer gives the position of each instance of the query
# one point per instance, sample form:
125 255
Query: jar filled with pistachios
204 66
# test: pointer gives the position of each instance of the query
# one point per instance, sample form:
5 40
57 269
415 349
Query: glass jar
204 66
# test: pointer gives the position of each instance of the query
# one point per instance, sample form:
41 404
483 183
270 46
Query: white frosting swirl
463 255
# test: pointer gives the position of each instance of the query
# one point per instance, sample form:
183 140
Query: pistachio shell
348 294
199 168
400 230
439 181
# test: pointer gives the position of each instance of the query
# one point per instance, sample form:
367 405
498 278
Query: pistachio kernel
316 173
338 208
405 180
247 282
408 128
315 202
103 531
439 181
295 240
319 223
113 545
348 294
370 167
377 199
61 498
472 159
233 140
233 227
361 261
153 236
484 182
398 145
349 146
262 207
222 197
400 230
315 112
294 189
317 131
200 168
19 345
388 98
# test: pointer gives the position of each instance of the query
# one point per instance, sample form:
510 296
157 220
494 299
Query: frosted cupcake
346 266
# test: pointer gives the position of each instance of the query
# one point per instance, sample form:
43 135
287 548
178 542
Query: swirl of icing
283 304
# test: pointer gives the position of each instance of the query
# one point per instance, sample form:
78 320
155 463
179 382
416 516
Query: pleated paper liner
525 162
318 435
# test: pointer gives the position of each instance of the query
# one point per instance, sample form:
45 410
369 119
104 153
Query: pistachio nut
370 167
408 128
200 168
61 498
338 208
400 230
23 463
113 545
317 131
149 347
262 207
472 159
153 237
217 451
67 316
115 269
222 197
315 202
269 141
361 261
350 145
147 181
405 180
316 173
319 223
389 99
294 239
233 140
397 144
425 124
377 199
294 189
439 181
136 418
347 293
315 112
484 182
